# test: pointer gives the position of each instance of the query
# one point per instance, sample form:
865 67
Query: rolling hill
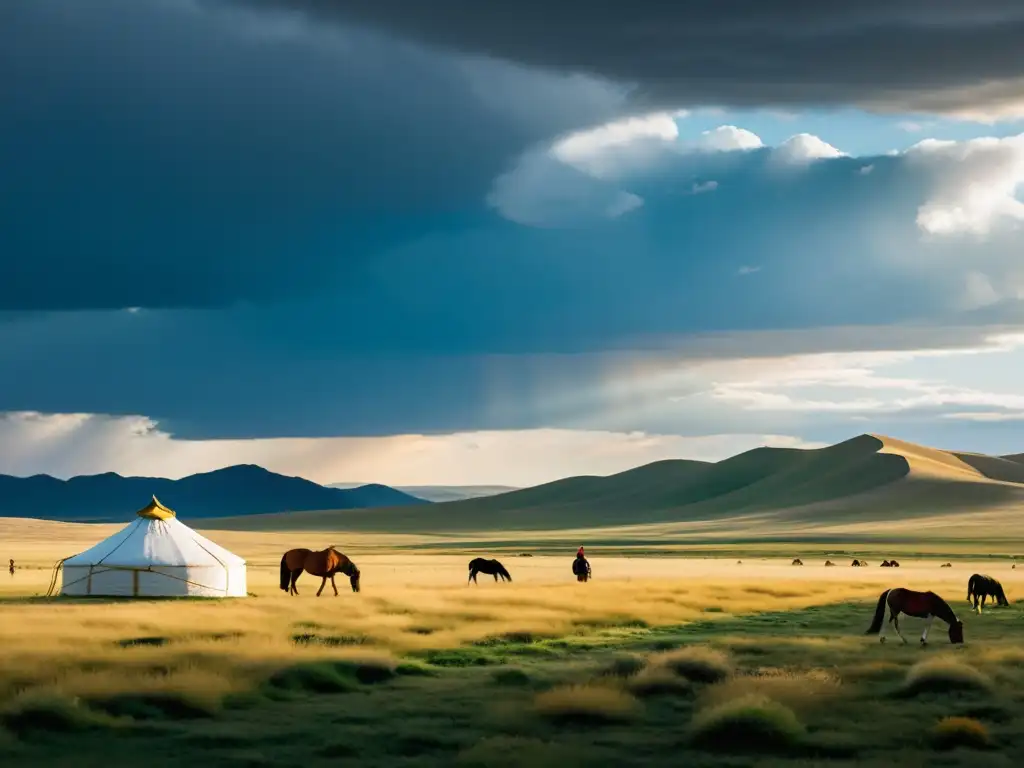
869 480
239 490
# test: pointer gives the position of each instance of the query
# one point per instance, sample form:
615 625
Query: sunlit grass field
739 660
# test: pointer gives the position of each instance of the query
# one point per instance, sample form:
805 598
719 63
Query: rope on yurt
53 579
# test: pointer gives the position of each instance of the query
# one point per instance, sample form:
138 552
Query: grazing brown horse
324 564
492 567
946 565
858 563
920 605
981 586
797 561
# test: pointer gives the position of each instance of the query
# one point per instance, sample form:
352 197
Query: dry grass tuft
698 664
587 704
802 691
748 724
944 675
953 732
658 681
624 665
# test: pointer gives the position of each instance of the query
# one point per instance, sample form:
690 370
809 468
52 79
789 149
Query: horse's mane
944 611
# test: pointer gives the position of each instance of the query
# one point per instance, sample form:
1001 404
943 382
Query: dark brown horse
324 564
492 567
797 561
920 605
981 586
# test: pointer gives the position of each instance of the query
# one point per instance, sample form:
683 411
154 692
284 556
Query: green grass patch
32 714
154 706
511 676
748 724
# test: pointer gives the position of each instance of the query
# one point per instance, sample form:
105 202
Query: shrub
750 723
943 676
953 732
587 703
658 681
625 665
697 664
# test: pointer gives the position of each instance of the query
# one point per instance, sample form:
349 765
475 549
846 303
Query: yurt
156 555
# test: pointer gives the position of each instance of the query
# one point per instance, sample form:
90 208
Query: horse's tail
285 572
876 623
970 588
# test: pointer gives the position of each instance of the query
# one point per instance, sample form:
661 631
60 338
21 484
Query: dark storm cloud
503 326
913 54
160 153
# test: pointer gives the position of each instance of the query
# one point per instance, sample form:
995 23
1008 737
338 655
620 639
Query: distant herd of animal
900 600
861 563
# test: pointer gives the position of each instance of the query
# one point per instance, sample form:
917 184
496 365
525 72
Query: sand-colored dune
870 482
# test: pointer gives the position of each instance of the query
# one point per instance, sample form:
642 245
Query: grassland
659 659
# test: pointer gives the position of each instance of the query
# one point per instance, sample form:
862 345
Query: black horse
981 587
581 568
492 567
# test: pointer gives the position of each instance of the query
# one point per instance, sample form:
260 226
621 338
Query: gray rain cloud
929 55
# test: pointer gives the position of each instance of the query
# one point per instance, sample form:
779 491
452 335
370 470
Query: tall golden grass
217 647
409 603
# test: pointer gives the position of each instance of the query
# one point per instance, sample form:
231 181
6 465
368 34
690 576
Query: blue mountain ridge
243 489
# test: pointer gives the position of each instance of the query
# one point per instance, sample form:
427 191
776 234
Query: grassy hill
869 480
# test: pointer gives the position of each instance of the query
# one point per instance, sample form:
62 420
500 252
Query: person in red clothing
580 566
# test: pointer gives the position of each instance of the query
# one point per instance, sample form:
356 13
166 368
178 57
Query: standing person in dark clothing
11 568
580 566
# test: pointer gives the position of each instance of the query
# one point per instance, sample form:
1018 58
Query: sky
472 243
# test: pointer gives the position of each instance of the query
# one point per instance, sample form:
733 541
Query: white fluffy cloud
607 149
64 445
805 148
579 177
728 138
974 183
971 185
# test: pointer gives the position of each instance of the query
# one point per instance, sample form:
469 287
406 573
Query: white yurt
155 555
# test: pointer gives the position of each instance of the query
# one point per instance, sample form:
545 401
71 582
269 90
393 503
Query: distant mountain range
240 490
441 493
